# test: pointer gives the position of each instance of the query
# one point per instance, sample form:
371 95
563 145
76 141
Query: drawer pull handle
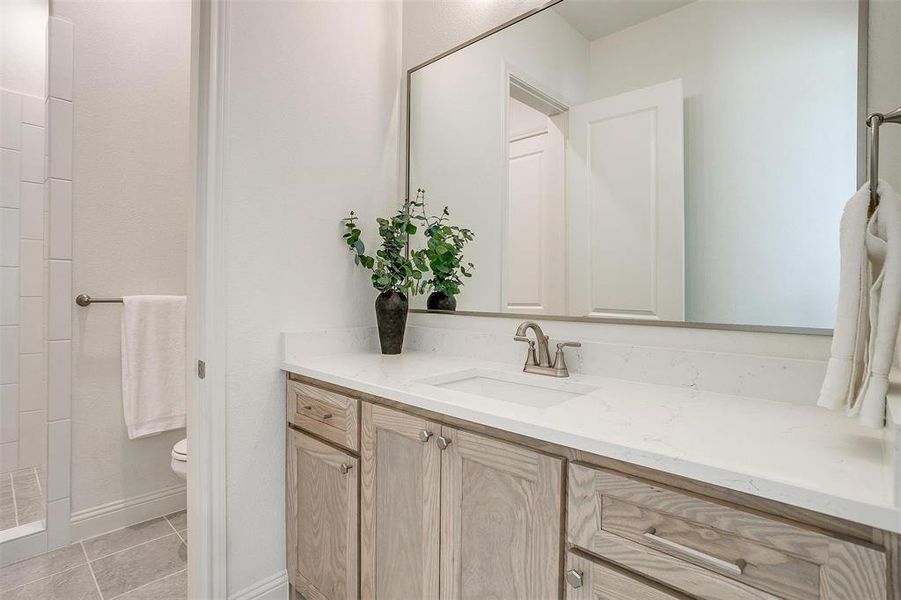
345 468
735 568
318 414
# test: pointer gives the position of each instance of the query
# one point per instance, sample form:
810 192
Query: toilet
180 459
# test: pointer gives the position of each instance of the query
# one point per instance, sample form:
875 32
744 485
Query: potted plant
394 273
444 255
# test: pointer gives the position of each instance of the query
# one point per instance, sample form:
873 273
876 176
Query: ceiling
596 18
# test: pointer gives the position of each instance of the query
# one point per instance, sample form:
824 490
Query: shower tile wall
36 149
22 299
59 251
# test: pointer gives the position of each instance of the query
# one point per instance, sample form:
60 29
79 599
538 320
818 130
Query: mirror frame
862 53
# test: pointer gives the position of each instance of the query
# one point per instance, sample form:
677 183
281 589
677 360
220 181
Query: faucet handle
531 358
562 345
560 369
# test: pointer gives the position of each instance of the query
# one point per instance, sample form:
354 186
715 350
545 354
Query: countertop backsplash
784 379
773 378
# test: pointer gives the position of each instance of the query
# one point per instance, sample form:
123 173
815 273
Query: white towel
849 339
153 364
884 253
869 311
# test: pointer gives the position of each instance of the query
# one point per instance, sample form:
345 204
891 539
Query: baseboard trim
274 587
122 513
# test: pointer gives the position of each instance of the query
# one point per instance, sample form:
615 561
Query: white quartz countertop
793 453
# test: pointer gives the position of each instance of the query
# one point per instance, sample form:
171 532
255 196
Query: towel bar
85 300
873 122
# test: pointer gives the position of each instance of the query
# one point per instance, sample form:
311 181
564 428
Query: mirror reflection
668 160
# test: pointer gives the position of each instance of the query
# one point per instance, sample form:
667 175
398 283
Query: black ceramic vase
441 301
391 314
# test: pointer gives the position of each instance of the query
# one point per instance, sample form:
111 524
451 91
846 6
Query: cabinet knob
345 468
425 436
443 442
574 578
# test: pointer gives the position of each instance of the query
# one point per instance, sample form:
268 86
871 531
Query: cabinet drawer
710 550
330 415
590 580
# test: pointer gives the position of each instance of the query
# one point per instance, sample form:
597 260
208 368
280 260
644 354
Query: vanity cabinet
322 511
452 514
391 502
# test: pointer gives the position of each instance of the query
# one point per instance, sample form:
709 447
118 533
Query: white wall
770 147
23 46
311 133
884 72
131 195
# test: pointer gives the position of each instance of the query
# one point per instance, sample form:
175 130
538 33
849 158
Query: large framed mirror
670 161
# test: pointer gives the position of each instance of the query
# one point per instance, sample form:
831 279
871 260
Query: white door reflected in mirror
626 231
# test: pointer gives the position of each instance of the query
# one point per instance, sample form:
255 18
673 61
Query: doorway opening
534 262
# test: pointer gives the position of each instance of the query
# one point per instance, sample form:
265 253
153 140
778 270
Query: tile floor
21 497
147 561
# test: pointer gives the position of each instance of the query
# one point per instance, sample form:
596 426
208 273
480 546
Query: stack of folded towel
869 307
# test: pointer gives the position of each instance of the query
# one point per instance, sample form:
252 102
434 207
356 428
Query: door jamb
206 338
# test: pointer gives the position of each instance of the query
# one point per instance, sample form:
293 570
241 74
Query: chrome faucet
540 363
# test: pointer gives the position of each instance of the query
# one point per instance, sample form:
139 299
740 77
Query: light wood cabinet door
322 519
399 505
500 520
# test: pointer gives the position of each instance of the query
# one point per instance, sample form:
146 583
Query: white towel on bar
153 364
849 339
884 253
869 312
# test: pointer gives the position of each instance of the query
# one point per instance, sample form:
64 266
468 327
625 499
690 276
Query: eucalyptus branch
391 269
444 248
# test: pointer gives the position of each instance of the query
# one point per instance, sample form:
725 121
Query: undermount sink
535 391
